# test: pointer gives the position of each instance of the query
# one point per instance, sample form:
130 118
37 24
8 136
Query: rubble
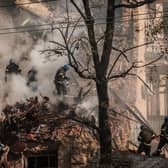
35 126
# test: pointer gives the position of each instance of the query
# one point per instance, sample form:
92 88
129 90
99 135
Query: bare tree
97 65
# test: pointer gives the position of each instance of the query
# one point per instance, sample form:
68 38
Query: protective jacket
164 130
145 136
60 76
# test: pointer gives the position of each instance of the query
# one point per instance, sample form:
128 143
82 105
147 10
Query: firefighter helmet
66 67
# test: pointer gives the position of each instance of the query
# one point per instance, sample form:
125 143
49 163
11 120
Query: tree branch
136 4
56 51
81 121
69 38
68 22
81 73
121 114
71 58
112 67
109 32
70 54
81 39
78 9
123 74
137 46
132 74
99 39
151 62
124 51
125 56
89 21
59 44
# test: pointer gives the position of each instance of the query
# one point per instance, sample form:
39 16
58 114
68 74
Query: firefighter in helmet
60 80
145 137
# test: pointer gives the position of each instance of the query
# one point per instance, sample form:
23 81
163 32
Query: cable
24 31
26 3
72 22
46 1
32 26
42 29
64 22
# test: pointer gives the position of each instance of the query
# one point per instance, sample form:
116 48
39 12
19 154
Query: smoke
26 53
17 89
88 107
46 68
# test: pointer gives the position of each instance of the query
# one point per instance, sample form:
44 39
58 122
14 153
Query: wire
49 28
64 22
24 31
46 1
72 22
26 3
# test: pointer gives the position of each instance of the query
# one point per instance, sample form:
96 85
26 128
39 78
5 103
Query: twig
132 74
69 38
57 43
123 74
56 51
124 51
78 9
151 62
125 56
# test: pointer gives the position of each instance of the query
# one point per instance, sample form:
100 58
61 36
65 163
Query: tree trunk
104 129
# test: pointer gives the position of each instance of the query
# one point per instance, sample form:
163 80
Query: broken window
42 161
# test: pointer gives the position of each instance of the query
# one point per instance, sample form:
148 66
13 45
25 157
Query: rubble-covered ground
35 125
132 160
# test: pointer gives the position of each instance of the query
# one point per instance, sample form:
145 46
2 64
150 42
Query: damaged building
40 134
47 138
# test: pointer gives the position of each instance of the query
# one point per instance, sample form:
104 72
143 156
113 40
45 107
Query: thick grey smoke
25 49
46 68
16 89
26 53
88 107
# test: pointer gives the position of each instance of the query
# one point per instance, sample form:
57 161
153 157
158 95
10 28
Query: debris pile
120 130
36 126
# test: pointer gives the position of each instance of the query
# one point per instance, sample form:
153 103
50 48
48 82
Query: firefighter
31 75
60 79
163 136
12 68
145 137
45 104
32 79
